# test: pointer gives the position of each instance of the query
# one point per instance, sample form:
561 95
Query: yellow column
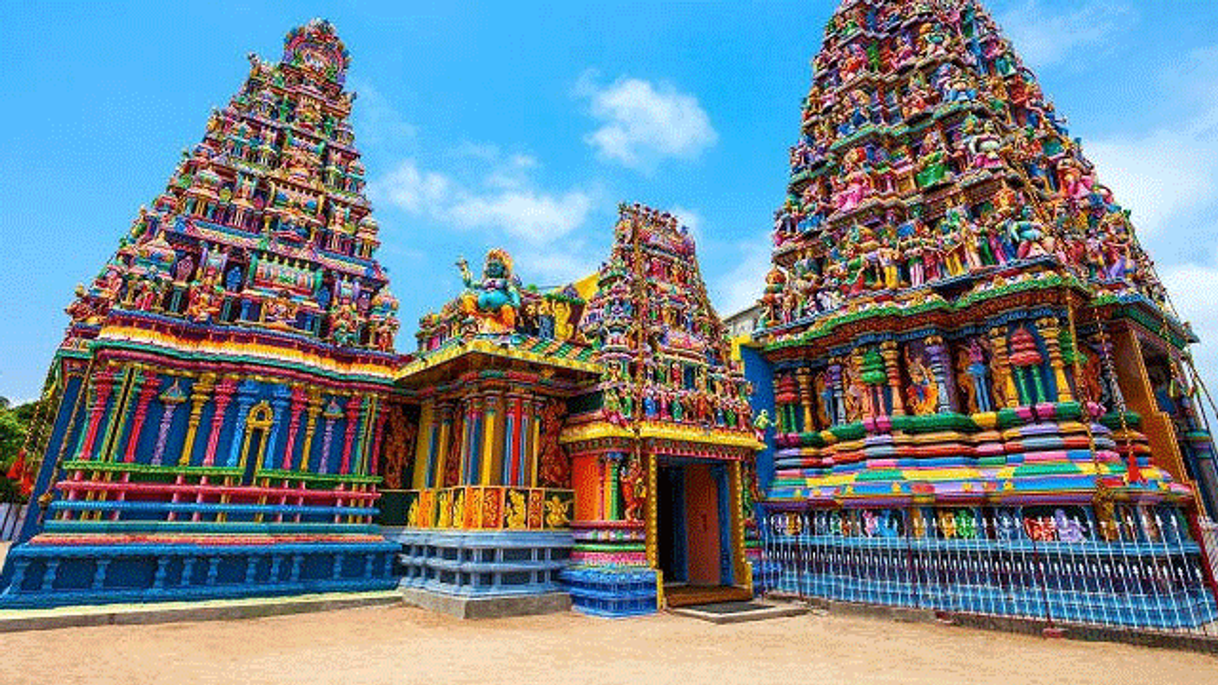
890 354
422 447
1002 366
199 394
446 422
1049 330
533 448
805 398
313 410
490 431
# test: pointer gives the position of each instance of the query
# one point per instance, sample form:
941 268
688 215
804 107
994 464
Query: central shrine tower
964 340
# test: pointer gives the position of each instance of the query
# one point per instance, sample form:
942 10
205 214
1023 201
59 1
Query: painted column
890 353
199 393
121 414
1002 366
352 416
533 440
940 363
381 416
438 458
245 400
314 408
613 463
425 445
297 407
224 394
170 399
839 399
103 384
511 427
333 413
470 450
280 396
805 398
491 429
1050 332
151 386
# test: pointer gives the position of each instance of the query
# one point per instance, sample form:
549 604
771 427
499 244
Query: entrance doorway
694 525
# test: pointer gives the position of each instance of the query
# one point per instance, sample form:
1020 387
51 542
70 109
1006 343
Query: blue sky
523 127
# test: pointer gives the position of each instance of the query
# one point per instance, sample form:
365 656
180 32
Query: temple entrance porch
695 518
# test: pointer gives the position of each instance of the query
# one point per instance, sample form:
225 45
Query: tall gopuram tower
591 441
219 400
968 351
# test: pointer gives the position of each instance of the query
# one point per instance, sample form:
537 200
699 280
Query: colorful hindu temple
981 395
591 440
967 390
220 397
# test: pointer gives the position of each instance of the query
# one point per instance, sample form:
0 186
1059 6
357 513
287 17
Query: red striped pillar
298 404
224 395
349 436
101 395
150 389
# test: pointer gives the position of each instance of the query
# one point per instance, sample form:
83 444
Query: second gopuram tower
964 340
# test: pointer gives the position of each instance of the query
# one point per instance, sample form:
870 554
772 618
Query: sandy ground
405 645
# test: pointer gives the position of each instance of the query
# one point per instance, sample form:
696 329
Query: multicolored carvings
551 423
224 383
959 319
965 361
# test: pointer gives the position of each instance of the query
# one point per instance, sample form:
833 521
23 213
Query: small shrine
593 439
963 342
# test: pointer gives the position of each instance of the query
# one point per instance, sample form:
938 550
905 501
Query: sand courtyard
399 644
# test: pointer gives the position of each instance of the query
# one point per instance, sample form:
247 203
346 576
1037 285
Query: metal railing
1141 571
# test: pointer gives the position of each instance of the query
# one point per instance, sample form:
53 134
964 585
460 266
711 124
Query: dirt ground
405 645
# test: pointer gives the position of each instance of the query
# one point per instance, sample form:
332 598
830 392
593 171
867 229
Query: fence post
1208 562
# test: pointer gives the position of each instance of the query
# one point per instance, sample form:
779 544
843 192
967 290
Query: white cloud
532 216
411 188
547 267
507 200
1044 36
741 287
376 121
643 124
1169 177
689 219
1192 289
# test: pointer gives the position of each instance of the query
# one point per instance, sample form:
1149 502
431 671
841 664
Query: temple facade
963 345
592 440
218 403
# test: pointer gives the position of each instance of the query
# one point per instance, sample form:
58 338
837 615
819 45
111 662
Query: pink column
298 403
101 393
151 381
515 442
224 395
376 442
349 437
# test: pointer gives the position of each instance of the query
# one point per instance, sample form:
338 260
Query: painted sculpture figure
496 297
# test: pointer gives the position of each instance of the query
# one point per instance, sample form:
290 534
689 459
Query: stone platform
13 620
482 606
